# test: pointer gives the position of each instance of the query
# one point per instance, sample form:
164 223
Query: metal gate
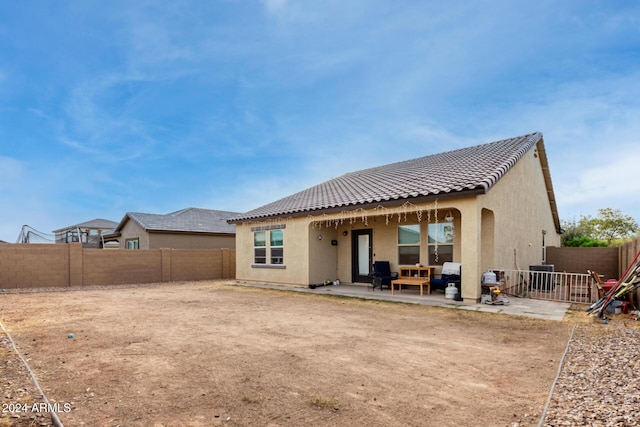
548 285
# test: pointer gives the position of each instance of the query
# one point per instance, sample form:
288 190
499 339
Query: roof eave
482 189
209 233
544 163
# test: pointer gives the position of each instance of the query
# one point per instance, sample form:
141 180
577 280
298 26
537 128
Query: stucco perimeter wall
65 265
521 210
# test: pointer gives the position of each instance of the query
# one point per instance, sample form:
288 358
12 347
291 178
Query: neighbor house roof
191 220
98 223
466 171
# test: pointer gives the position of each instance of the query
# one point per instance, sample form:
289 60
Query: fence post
165 254
226 267
75 264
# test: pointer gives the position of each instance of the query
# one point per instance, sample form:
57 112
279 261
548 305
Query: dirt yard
202 354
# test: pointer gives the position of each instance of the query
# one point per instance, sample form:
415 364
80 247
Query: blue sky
154 106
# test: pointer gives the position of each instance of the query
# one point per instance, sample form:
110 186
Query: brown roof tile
472 169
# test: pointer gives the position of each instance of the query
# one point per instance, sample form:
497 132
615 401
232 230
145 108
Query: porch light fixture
345 233
449 217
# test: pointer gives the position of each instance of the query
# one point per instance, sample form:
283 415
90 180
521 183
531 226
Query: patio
546 310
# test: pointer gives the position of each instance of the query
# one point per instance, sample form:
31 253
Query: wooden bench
421 282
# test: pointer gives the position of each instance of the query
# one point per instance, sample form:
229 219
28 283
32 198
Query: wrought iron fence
548 285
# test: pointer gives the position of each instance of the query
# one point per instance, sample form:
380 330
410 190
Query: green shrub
585 242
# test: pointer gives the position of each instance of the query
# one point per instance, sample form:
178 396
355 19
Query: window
440 243
408 244
132 244
259 247
268 246
276 246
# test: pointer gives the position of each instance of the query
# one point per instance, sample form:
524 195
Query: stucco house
89 233
189 228
486 206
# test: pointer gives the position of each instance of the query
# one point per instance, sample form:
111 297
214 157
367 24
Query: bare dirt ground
206 353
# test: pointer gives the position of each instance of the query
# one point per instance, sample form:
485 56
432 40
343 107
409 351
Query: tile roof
186 220
473 169
104 224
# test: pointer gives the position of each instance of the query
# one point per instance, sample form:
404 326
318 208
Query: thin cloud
11 172
274 6
235 104
615 177
92 125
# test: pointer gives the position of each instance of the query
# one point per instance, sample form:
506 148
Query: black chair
382 275
450 274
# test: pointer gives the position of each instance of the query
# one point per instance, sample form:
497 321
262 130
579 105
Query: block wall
196 264
628 253
604 261
65 265
33 266
118 267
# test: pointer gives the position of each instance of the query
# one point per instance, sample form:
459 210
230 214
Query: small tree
578 232
612 224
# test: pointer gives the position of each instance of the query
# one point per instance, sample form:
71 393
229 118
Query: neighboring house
88 233
189 228
487 206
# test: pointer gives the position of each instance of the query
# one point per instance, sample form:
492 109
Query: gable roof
103 224
192 220
466 171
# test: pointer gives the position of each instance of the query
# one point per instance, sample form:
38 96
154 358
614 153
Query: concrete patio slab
539 309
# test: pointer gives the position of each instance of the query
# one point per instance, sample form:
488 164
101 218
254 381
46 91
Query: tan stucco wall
190 241
500 229
296 254
158 240
323 255
521 210
131 230
312 260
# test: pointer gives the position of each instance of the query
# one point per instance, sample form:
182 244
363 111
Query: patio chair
382 275
451 272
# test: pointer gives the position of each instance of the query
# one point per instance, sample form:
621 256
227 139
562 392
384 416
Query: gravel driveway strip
599 384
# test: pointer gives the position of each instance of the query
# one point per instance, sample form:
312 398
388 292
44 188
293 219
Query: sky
155 106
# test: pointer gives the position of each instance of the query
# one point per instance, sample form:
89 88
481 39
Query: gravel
599 384
22 403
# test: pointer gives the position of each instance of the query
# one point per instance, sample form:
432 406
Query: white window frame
276 251
132 244
260 250
271 254
410 245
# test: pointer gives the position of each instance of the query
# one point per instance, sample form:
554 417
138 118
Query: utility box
541 278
